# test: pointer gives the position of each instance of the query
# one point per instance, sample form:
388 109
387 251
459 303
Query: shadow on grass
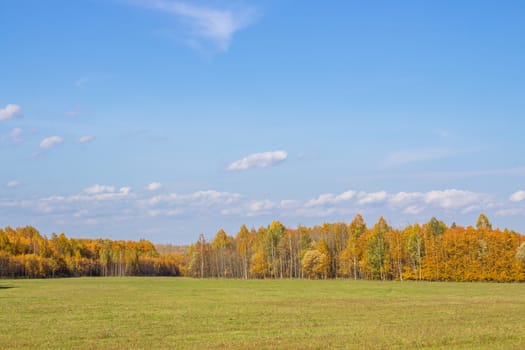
6 287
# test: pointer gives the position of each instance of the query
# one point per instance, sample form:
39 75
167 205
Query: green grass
170 313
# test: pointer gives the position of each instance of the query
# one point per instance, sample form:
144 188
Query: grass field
168 313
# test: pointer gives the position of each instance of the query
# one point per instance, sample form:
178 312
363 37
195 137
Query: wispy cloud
443 199
12 184
259 160
210 202
101 192
86 139
403 198
260 207
154 186
251 208
10 111
98 200
106 204
404 205
408 203
14 136
330 198
99 189
50 142
374 197
452 198
198 198
511 212
206 24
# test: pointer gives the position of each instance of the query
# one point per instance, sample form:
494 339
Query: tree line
431 251
24 252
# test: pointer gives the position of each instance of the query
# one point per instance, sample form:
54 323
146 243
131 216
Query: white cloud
50 142
110 204
198 198
330 199
261 207
452 199
251 208
98 189
402 198
259 160
321 200
206 24
95 193
125 191
289 203
345 196
211 197
86 139
517 196
10 111
373 197
162 198
13 184
410 203
511 212
154 186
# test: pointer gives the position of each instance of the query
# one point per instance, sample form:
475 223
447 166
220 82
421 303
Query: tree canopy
430 251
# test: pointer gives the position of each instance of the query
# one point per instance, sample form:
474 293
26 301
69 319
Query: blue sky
166 119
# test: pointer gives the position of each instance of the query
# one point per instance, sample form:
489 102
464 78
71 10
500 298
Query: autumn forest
431 251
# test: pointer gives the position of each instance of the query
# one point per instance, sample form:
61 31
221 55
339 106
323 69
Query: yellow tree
316 261
352 253
259 267
221 246
396 253
431 264
274 234
243 243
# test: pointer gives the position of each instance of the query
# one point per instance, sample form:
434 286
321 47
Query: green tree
378 248
436 227
483 223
